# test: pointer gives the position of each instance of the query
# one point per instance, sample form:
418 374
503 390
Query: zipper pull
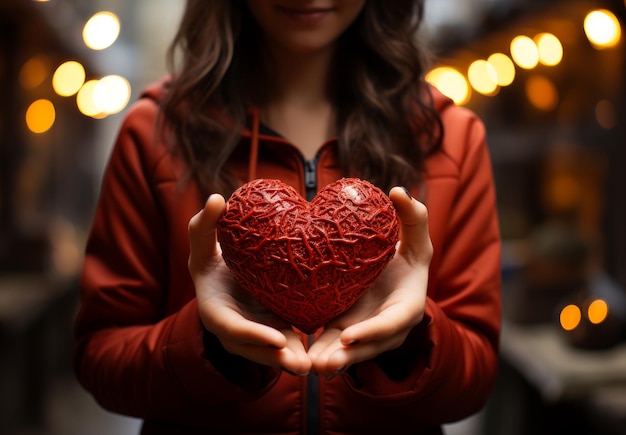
310 178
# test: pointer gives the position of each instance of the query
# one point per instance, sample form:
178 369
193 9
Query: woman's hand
243 326
383 317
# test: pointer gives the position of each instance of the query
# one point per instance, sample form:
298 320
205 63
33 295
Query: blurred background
548 79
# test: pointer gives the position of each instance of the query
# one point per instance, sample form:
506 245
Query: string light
570 317
597 311
111 94
542 93
40 116
504 68
101 30
34 72
450 82
524 52
602 29
85 100
68 78
549 48
483 77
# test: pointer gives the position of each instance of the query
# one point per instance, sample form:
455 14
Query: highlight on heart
308 261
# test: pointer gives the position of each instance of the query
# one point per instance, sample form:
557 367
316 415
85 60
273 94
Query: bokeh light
101 30
606 114
483 77
597 311
570 317
524 52
40 116
111 94
550 49
542 92
504 68
34 72
450 82
85 100
602 28
68 78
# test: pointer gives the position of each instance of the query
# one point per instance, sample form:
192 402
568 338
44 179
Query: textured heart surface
308 262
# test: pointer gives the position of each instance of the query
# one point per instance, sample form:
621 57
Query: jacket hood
156 91
439 100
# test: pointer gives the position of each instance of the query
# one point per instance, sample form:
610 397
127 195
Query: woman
306 91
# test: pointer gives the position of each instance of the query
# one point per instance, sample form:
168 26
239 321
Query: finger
293 358
391 325
202 240
203 223
323 342
231 327
346 356
329 359
413 217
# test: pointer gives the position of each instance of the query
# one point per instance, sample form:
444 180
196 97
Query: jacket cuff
248 375
202 365
395 373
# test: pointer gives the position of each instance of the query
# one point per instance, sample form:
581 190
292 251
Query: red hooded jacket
141 349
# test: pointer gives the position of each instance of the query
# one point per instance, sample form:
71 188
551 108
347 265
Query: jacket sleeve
447 366
134 352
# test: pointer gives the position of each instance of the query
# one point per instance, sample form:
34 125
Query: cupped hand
243 326
383 317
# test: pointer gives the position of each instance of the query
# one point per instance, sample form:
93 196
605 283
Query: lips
305 15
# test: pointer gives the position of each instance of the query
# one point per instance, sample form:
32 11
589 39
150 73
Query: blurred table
556 369
546 386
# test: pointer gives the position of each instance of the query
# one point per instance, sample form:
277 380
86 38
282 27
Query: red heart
308 262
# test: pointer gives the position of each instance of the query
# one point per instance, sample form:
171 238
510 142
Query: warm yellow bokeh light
68 78
85 100
483 77
606 114
40 116
111 94
563 191
598 311
570 317
101 30
550 49
450 82
34 72
503 67
602 28
524 52
542 92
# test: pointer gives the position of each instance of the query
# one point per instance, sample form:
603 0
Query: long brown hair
383 103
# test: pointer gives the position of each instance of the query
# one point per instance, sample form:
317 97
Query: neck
300 79
297 104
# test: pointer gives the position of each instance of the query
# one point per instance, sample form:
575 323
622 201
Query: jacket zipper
310 177
313 389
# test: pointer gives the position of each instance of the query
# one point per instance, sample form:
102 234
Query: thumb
413 215
202 238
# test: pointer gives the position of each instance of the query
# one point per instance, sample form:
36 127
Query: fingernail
354 342
291 372
337 373
407 193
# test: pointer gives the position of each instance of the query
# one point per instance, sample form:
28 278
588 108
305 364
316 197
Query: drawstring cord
254 143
